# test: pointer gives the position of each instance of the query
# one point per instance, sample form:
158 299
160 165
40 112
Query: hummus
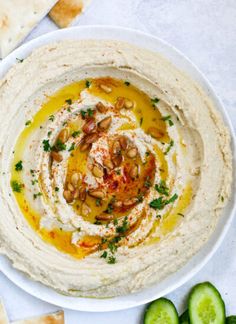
115 167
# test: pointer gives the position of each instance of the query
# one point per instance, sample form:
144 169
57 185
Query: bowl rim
42 292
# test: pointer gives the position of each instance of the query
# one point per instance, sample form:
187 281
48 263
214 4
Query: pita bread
18 18
65 12
3 314
53 318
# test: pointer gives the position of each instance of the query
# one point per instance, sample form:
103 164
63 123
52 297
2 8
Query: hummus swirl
112 178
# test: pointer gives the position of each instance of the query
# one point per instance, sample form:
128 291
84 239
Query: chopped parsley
75 133
140 197
127 83
98 202
169 147
72 147
158 216
59 146
111 259
154 101
88 83
69 101
56 189
160 202
49 133
141 121
162 188
28 122
112 247
19 166
115 222
168 118
46 146
35 196
32 172
104 255
109 208
16 186
222 198
19 60
51 117
83 113
124 227
34 182
90 112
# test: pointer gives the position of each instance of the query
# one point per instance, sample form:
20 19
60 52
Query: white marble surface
205 31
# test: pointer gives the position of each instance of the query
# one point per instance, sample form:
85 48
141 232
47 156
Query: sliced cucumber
161 311
231 319
206 305
184 318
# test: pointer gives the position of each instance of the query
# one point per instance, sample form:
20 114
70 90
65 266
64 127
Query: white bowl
202 257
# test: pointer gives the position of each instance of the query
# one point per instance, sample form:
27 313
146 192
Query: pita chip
66 12
3 314
53 318
17 19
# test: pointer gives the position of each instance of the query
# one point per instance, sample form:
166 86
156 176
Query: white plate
200 259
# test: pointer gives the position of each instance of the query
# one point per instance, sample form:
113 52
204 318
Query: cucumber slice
231 319
161 311
206 305
184 318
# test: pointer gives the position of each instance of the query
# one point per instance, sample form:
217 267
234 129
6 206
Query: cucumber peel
161 311
206 305
231 319
184 318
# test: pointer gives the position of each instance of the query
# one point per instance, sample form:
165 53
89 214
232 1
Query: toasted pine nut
105 123
97 171
68 196
70 187
108 164
56 156
64 135
75 178
155 132
96 193
89 126
132 152
82 194
134 172
128 104
101 107
105 88
104 217
120 103
85 209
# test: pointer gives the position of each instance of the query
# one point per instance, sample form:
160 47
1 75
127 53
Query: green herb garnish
104 255
98 202
88 83
162 188
154 101
37 195
168 118
111 259
56 189
28 122
19 60
59 146
75 133
49 133
124 227
16 186
46 146
19 166
160 202
141 121
51 117
169 147
147 182
69 101
72 147
127 83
